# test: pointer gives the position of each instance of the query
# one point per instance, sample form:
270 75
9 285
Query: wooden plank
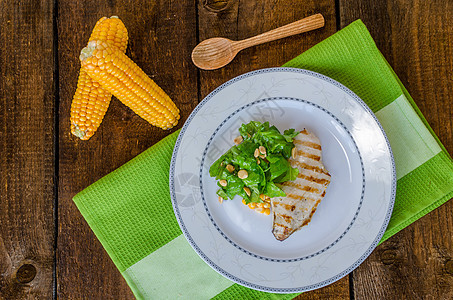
161 35
27 105
241 19
238 20
416 37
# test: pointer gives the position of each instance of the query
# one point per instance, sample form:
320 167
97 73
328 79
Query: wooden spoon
217 52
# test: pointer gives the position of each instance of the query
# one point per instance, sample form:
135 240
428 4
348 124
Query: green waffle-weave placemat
130 209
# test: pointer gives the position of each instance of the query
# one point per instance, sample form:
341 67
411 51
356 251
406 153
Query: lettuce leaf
263 172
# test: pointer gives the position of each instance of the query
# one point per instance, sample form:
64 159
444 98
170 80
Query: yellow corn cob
90 100
119 75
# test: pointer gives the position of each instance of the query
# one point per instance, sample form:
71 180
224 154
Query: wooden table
47 249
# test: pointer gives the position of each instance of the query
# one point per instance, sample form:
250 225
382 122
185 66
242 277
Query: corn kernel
88 91
124 79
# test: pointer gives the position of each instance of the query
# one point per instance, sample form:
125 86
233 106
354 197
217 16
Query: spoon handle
306 24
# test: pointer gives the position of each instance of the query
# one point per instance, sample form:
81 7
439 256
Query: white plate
238 242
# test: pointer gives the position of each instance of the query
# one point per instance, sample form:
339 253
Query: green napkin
130 210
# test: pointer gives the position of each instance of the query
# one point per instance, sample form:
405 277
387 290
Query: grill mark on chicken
305 188
304 194
286 206
287 218
308 144
286 230
309 218
300 197
313 179
313 210
309 155
280 225
309 167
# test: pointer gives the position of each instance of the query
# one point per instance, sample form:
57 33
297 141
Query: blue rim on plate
226 236
235 277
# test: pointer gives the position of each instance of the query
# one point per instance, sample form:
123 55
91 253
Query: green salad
257 164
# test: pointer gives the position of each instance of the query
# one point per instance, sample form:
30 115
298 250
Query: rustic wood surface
416 37
47 249
27 150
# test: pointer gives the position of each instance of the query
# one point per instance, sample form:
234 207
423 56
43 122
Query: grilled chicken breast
303 194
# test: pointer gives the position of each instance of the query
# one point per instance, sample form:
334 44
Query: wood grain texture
216 52
306 24
26 150
161 37
239 20
416 37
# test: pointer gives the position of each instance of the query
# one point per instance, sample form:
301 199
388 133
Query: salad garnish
255 166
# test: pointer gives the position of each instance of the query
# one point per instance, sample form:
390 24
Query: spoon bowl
214 53
217 52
